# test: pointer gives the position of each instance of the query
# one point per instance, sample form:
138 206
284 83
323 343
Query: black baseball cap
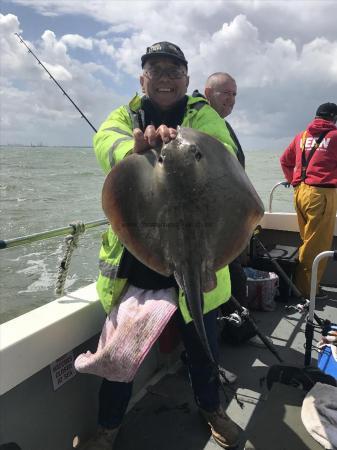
164 49
327 111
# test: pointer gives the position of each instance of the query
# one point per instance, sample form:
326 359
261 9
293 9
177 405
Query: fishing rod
55 81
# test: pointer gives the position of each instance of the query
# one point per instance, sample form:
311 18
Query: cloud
77 41
9 23
10 58
30 99
120 28
59 72
282 54
105 48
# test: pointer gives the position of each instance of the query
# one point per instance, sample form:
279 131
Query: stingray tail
190 282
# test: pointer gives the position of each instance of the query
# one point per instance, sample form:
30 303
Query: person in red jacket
309 163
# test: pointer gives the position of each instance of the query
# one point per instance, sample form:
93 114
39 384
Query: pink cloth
128 334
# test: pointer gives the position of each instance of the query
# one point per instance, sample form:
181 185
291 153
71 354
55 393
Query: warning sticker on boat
62 370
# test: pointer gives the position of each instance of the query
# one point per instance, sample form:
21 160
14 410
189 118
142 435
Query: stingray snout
179 153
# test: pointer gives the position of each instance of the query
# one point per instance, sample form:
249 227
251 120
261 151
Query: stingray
187 209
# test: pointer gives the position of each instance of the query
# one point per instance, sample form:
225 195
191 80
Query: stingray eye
198 156
193 148
161 159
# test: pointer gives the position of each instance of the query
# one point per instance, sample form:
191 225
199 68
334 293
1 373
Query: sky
283 55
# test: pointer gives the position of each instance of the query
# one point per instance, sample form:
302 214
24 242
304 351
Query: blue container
326 360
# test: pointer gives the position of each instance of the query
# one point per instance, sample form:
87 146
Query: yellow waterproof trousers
316 213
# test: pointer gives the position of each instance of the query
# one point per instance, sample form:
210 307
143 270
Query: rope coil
71 242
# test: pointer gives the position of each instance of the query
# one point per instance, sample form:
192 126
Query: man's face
222 96
164 81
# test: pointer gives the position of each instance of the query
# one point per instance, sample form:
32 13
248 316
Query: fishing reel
237 317
234 319
237 327
300 307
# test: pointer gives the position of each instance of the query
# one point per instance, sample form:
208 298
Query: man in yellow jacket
135 128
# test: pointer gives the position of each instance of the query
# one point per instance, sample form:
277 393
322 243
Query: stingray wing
194 205
131 203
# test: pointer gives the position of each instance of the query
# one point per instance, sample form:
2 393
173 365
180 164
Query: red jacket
322 168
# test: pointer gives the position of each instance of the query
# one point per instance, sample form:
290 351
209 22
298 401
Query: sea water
42 188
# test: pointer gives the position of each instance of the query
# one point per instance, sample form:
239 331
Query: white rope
71 243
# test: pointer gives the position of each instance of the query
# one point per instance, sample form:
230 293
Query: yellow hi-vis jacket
113 142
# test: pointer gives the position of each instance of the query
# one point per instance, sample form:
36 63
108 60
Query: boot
225 432
103 440
321 295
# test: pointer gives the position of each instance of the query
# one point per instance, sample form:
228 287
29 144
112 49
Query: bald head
220 91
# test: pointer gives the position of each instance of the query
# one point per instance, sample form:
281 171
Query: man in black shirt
221 91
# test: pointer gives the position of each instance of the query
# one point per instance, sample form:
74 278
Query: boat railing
72 233
280 183
56 232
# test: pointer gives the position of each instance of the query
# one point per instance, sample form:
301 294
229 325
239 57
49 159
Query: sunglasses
172 73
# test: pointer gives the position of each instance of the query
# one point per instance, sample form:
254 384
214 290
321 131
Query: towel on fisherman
128 334
319 414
